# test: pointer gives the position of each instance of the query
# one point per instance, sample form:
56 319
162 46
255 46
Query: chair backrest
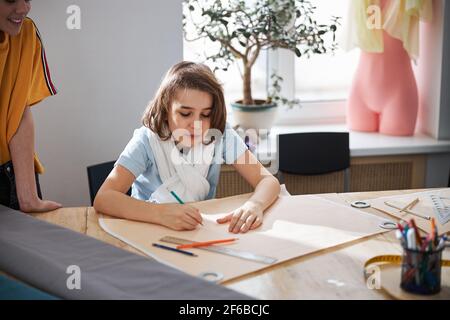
313 152
97 174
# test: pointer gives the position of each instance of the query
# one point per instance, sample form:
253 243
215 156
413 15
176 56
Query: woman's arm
112 199
21 148
267 188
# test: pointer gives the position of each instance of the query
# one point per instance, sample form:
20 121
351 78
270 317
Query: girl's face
190 113
12 14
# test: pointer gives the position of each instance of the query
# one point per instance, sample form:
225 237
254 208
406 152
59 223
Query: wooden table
335 273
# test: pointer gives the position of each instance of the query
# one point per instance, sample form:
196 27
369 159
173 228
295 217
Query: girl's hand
247 217
180 216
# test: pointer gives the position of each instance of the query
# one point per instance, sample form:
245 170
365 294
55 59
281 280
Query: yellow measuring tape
391 288
393 259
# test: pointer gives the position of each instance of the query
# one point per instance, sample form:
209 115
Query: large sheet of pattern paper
293 226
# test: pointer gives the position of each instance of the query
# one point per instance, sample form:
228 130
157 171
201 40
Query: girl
176 156
24 81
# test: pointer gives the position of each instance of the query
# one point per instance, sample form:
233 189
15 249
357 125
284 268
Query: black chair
97 174
314 153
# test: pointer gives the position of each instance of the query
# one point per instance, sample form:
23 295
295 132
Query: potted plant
242 29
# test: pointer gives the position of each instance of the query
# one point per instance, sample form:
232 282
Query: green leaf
191 8
297 52
212 38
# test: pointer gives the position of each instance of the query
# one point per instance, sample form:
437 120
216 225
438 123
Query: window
231 80
326 77
321 82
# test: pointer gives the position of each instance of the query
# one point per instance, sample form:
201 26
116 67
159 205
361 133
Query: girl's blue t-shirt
138 158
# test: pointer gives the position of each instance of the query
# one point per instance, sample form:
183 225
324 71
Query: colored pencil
205 243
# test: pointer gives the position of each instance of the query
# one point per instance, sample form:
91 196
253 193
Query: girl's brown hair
184 75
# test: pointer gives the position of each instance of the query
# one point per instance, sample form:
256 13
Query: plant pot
257 116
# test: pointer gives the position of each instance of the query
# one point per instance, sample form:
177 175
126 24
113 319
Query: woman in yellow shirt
24 81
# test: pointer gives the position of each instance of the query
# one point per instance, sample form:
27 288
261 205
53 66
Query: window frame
282 62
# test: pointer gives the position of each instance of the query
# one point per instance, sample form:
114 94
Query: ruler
223 250
441 211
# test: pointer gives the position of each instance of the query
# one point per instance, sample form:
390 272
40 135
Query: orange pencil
416 231
433 231
204 243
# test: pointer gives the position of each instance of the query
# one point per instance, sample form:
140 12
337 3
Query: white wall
429 71
105 73
444 115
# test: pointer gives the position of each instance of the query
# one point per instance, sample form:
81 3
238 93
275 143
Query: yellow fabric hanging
399 18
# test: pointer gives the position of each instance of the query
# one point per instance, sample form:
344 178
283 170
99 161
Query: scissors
387 224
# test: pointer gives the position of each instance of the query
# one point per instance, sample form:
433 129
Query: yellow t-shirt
24 81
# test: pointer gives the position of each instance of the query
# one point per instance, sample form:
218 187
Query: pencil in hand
182 202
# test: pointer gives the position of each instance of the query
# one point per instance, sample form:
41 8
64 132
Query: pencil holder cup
421 271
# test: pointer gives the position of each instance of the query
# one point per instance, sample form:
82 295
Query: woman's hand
247 217
38 205
179 216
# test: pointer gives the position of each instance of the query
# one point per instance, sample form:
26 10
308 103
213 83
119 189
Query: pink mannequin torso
383 95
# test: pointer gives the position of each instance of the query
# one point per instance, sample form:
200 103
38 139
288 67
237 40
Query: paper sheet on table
293 226
424 207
